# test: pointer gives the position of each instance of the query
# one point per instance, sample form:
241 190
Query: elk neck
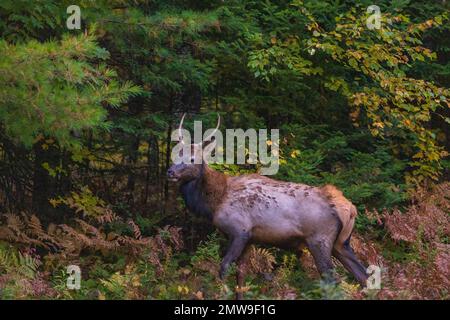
204 195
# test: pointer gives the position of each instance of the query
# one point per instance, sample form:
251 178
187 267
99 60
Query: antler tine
180 135
215 130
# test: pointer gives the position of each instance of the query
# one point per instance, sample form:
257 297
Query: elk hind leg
321 252
344 253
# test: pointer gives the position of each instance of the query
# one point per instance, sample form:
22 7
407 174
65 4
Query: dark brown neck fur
205 194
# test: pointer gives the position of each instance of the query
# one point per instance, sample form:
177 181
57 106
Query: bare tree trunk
132 156
153 174
168 150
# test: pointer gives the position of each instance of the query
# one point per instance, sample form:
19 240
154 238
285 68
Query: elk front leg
238 244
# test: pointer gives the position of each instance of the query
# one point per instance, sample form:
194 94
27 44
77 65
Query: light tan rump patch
346 210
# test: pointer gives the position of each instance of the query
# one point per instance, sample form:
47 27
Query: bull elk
256 209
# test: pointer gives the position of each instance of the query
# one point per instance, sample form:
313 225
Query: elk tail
345 209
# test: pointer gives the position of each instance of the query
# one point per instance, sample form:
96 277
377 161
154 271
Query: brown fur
257 209
215 188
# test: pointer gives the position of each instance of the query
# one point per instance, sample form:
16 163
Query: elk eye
192 160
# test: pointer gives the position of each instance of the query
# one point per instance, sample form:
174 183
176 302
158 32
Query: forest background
86 117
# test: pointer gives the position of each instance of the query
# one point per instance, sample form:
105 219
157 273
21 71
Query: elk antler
215 130
180 135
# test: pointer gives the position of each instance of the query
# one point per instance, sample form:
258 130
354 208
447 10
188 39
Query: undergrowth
118 261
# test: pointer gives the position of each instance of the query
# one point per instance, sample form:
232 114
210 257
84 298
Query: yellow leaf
53 202
136 281
295 153
378 124
349 288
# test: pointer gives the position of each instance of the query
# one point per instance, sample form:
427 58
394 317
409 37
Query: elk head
193 160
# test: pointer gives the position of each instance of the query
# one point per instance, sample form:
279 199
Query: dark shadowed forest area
86 117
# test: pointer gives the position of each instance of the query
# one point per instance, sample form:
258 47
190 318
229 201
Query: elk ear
208 143
209 148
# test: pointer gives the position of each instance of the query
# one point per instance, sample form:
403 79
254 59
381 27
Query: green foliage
12 261
24 20
84 202
365 110
372 69
52 89
208 249
326 291
19 274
